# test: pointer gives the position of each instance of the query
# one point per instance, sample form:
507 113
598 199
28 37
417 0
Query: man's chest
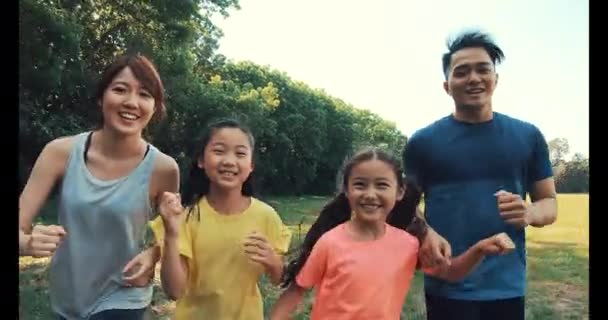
466 156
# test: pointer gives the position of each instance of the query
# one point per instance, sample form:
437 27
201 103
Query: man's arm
418 226
435 250
543 210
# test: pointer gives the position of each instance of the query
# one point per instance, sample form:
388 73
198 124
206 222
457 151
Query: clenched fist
513 209
496 245
44 240
170 210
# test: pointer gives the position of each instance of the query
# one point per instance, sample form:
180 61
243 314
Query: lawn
558 266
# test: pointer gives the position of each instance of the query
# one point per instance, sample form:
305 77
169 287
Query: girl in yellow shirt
216 249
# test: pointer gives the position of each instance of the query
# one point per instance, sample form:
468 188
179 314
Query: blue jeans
117 314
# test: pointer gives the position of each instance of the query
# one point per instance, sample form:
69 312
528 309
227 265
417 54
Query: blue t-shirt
459 167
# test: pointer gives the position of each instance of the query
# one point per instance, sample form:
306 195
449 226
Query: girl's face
126 105
372 190
227 159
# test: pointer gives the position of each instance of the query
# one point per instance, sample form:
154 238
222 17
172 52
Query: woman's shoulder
62 146
55 155
165 164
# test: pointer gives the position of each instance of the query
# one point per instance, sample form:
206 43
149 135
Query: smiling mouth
475 91
225 173
128 116
370 207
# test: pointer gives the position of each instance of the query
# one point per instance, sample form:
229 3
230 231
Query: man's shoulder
432 128
516 123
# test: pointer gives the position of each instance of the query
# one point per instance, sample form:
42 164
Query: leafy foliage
303 135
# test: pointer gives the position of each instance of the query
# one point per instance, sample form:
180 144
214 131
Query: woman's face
127 106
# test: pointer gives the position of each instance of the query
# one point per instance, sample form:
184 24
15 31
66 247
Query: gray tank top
106 225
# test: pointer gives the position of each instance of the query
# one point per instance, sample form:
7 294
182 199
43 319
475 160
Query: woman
109 180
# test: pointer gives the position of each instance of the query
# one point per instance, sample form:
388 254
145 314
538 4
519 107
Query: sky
385 55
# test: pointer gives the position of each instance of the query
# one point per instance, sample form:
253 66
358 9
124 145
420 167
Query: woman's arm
139 271
48 169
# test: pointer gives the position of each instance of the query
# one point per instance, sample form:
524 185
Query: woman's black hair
338 210
198 182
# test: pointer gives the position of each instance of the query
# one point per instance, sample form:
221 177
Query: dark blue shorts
439 308
117 314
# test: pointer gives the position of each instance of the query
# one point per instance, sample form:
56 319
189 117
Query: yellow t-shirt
222 281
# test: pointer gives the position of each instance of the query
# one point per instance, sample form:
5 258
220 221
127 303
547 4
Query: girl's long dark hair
338 211
198 182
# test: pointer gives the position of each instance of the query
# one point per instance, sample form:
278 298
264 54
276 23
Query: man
475 168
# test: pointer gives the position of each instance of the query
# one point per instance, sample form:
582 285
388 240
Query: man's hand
435 251
513 209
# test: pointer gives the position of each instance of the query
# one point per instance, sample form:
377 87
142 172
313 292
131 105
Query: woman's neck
227 201
118 146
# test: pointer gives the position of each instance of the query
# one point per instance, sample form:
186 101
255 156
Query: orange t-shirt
360 279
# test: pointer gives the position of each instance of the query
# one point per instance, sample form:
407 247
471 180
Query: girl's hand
170 211
44 240
259 250
496 245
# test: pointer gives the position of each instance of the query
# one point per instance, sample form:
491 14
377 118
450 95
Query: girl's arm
174 266
275 270
309 275
174 269
462 265
287 302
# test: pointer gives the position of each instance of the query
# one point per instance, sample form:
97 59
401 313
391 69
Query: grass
558 263
558 267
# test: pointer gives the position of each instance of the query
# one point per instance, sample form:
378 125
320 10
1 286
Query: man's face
471 78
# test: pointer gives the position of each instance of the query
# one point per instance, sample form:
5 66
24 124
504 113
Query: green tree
558 149
574 178
302 134
64 44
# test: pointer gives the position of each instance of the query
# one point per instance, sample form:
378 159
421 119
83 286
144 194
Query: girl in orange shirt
361 265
